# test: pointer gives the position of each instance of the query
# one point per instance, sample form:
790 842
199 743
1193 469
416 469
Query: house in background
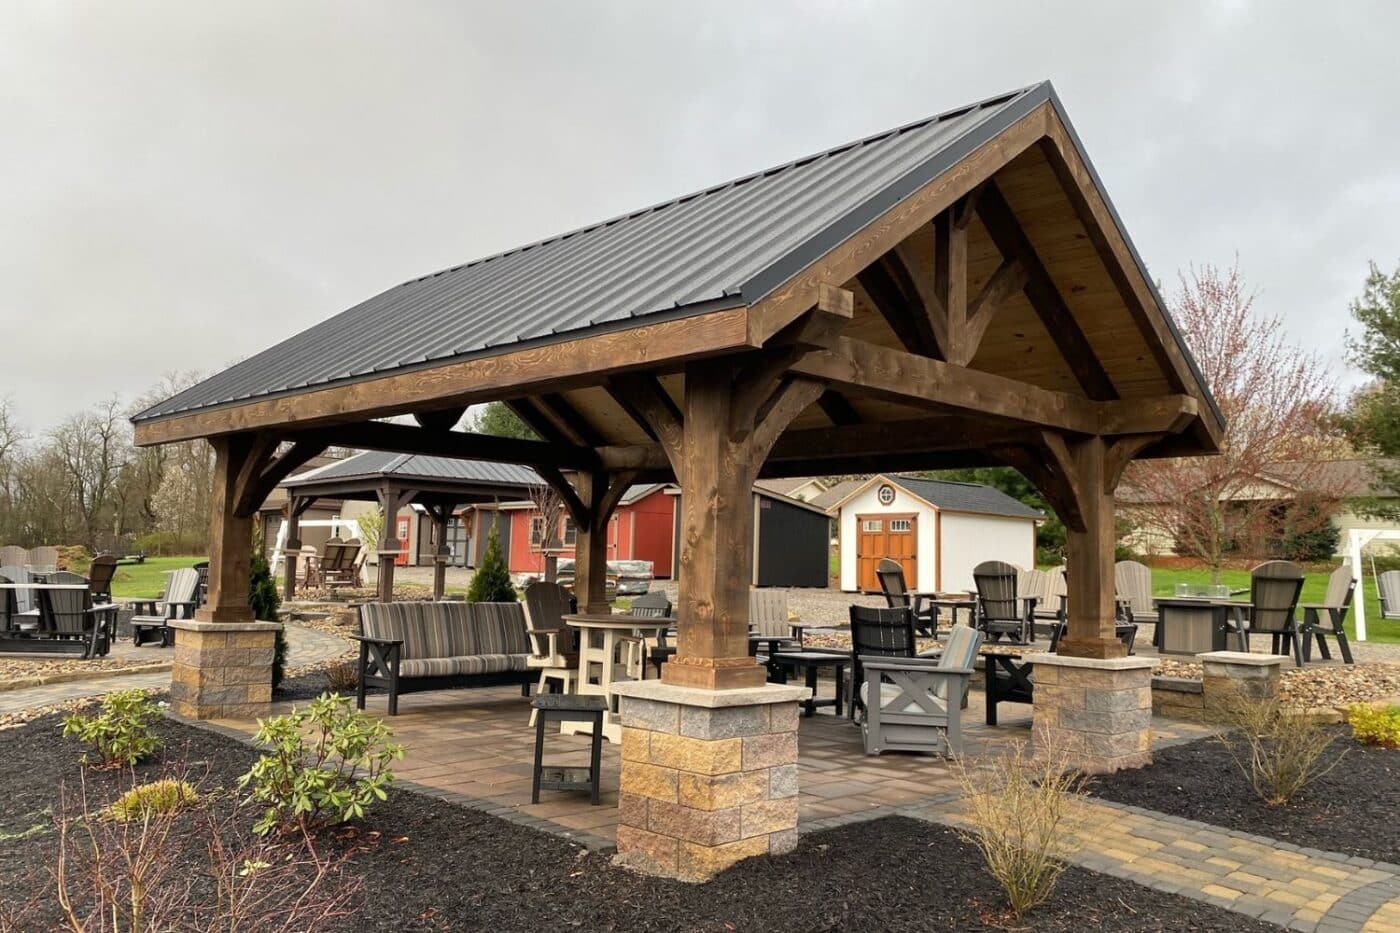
938 531
790 536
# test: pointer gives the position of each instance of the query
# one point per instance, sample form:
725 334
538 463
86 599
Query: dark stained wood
443 419
838 408
897 299
261 479
655 405
599 494
1009 278
570 421
996 215
230 534
537 421
950 280
576 507
291 553
391 499
400 438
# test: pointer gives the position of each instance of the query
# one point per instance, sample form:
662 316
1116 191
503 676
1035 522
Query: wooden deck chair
1132 583
12 621
655 605
308 566
1388 585
890 573
69 618
152 617
1000 610
1274 587
43 559
915 704
329 562
1326 618
100 573
769 615
877 633
26 604
551 643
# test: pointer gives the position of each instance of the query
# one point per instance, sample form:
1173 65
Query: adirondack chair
308 567
100 573
1132 582
202 568
11 556
12 621
69 620
152 616
1326 618
769 615
26 604
43 559
890 573
915 704
1388 584
551 644
328 565
357 566
1274 587
655 605
877 633
1000 610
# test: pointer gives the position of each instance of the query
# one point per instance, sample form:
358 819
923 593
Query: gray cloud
182 185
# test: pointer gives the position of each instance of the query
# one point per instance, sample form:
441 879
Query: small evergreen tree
264 601
491 582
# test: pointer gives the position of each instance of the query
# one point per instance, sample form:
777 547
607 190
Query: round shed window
886 494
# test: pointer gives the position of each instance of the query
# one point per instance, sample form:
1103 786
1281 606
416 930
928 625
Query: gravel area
1351 809
429 865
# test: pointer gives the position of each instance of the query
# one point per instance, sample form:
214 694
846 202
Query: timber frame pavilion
955 292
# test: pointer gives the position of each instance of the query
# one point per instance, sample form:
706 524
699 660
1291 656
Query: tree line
83 482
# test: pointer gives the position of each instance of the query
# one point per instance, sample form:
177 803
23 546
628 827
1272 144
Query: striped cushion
430 667
456 618
493 663
500 629
402 621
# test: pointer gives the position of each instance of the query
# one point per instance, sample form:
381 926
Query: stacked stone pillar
1095 711
709 777
222 670
1229 677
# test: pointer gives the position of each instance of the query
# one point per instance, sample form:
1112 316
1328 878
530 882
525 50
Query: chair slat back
1341 586
330 555
11 556
43 559
1273 593
183 586
768 613
652 605
1035 583
961 648
546 604
1388 584
18 573
996 590
890 573
100 574
1133 582
63 612
883 632
7 605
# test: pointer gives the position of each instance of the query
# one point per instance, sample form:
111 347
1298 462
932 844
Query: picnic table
600 635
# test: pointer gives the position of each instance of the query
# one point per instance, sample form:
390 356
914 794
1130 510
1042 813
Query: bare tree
1277 400
92 447
549 512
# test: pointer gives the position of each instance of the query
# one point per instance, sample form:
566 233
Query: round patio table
599 637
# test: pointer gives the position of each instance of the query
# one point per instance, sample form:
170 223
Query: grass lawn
147 579
1164 583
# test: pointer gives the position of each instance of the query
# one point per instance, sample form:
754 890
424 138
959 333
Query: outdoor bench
410 646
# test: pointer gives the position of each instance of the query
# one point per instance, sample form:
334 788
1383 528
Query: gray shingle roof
374 463
725 246
966 497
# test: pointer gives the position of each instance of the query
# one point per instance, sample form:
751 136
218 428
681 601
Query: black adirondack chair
885 633
1326 618
1001 611
890 573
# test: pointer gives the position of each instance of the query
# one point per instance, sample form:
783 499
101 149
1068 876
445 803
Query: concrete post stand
709 777
222 669
1097 711
1231 676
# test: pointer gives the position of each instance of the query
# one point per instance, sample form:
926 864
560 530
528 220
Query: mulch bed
1351 809
431 865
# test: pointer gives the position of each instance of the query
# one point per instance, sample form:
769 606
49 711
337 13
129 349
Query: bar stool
568 707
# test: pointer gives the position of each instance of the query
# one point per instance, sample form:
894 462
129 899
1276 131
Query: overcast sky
183 184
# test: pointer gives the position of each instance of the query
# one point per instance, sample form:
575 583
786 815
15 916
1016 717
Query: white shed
938 530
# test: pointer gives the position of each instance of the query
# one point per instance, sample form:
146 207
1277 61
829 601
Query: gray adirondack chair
43 559
655 605
769 615
1273 599
1133 585
915 704
26 606
1388 584
890 573
69 618
179 602
1001 611
1326 618
11 556
12 620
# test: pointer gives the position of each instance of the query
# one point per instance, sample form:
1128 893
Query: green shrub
1375 725
491 582
164 796
265 601
122 731
326 763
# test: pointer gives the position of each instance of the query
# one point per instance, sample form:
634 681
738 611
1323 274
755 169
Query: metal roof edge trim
1016 105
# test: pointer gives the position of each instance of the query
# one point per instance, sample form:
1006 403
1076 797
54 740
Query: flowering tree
1271 478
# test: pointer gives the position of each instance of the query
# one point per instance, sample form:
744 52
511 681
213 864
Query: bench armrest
879 662
377 641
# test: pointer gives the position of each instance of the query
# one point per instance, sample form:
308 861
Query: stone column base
709 777
1231 676
1095 711
222 669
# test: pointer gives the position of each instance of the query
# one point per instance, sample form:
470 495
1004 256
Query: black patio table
810 662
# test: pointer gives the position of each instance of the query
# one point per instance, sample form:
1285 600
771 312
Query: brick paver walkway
305 646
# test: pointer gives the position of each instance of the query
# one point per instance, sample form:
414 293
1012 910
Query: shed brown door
881 536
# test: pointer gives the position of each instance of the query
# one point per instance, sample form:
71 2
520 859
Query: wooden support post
596 497
291 549
390 499
230 534
440 513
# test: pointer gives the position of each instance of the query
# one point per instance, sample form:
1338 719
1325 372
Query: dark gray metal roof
373 464
965 497
729 245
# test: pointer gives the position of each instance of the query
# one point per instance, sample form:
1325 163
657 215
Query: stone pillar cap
1241 657
194 625
660 692
1130 663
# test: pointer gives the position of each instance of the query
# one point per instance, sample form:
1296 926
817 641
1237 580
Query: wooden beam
258 488
899 303
950 280
653 403
1045 298
923 435
838 408
399 438
1007 280
570 421
482 378
757 382
575 506
536 420
792 398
